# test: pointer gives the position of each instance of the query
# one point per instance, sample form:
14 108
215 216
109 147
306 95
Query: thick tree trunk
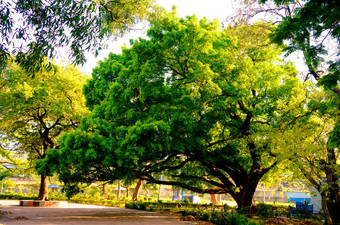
333 198
328 220
245 196
334 207
244 199
333 201
213 199
43 191
135 193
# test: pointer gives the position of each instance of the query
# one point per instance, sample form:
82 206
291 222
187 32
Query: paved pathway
77 214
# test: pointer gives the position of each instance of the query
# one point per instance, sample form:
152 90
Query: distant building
315 199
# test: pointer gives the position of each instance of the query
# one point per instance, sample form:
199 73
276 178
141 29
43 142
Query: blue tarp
302 206
53 186
298 197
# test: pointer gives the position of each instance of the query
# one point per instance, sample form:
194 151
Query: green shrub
244 210
233 219
18 196
186 201
264 210
129 205
226 207
112 197
123 198
142 206
10 192
216 217
206 216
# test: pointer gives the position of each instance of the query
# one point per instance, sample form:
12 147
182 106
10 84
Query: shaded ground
77 214
276 221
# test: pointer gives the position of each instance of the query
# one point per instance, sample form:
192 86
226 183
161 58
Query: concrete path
77 214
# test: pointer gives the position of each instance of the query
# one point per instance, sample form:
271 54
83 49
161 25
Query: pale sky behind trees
211 9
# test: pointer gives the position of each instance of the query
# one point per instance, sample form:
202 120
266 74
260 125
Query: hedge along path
78 214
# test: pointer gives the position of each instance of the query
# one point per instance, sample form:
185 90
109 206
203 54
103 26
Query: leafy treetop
196 103
32 30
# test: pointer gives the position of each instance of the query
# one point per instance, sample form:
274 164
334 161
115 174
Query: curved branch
151 179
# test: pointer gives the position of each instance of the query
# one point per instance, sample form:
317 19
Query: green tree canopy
32 30
197 104
312 27
307 28
35 111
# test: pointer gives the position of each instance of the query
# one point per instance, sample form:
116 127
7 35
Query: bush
226 207
206 216
10 192
264 210
186 201
128 205
112 197
142 206
244 210
233 219
18 196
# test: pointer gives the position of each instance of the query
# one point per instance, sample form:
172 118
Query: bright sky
211 9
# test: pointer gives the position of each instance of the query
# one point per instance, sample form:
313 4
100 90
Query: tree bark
328 219
127 191
333 197
245 196
159 192
118 191
218 197
43 191
104 190
334 207
213 199
135 193
244 199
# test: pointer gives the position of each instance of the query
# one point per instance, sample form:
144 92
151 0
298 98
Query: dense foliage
312 27
32 30
35 111
199 105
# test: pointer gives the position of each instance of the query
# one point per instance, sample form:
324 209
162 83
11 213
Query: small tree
36 111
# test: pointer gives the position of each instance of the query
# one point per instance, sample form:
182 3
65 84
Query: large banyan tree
199 105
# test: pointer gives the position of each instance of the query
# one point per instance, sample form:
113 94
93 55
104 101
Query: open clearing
77 214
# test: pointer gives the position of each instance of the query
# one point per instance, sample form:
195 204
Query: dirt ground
77 214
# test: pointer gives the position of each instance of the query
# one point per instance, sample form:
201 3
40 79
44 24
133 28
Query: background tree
195 104
36 111
310 146
312 27
33 30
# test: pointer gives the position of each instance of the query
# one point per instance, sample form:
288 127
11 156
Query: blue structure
302 206
178 194
53 186
298 197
